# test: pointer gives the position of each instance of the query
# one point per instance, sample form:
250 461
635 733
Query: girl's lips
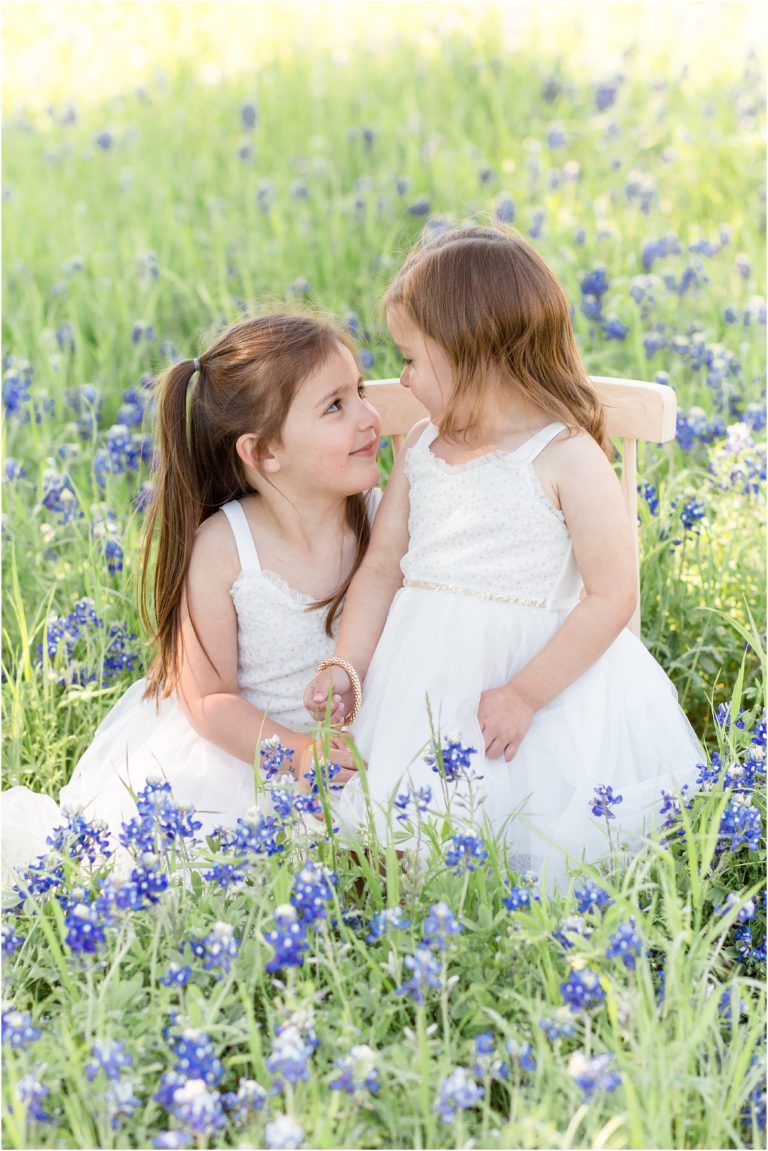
369 450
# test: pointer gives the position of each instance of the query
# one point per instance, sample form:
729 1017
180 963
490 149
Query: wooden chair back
634 410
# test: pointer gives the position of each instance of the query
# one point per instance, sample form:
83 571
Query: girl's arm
593 506
207 687
370 593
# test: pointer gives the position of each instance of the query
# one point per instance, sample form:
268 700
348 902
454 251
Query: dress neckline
494 454
277 581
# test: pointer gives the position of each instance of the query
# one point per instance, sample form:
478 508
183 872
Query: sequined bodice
487 526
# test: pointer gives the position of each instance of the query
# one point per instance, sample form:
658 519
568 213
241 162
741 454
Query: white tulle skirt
137 740
618 724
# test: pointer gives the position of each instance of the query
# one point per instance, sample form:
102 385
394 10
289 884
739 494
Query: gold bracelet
357 691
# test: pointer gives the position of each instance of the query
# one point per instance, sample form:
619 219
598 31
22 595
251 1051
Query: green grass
462 126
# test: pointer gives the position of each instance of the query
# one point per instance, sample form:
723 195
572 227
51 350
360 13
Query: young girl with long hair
265 489
501 577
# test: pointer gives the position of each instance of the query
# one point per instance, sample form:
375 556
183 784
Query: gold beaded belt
426 585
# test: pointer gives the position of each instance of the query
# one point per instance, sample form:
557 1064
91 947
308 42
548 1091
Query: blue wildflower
289 939
426 973
218 949
625 944
243 1104
590 895
107 1055
198 1110
595 283
457 1092
10 940
604 801
17 381
522 1052
420 206
390 919
420 799
312 891
358 1071
18 1030
740 824
504 210
691 512
439 923
465 853
614 329
176 975
593 1073
86 928
31 1091
450 759
290 1056
582 989
559 1026
488 1064
650 495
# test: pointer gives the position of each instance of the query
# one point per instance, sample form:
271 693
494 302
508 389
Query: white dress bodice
486 527
279 641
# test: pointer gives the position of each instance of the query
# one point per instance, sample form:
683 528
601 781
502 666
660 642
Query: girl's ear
260 459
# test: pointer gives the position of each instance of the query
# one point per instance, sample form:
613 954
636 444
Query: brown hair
247 380
492 304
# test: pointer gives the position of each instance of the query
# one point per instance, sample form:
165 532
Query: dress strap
537 443
246 548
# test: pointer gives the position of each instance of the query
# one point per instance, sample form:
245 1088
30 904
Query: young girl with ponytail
264 494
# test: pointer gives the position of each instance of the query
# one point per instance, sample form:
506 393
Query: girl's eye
406 361
335 405
362 391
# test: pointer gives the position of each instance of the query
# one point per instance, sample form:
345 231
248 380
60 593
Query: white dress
279 646
489 578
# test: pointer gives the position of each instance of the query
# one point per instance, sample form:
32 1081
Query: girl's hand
504 718
333 678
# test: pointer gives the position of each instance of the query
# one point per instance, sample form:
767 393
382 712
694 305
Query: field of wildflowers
261 989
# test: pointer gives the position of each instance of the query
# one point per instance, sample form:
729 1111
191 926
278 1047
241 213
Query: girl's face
426 370
331 434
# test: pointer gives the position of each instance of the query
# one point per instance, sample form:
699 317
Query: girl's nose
402 380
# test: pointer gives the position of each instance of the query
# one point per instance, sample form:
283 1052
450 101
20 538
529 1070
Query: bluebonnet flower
439 923
198 1110
104 140
275 759
218 948
743 265
170 1140
625 944
671 808
120 1100
176 975
253 834
248 114
592 307
13 470
449 759
290 1056
691 512
367 359
740 823
420 798
650 495
86 928
522 1052
537 224
593 1073
606 93
556 137
723 717
595 283
504 209
457 1092
18 1030
465 852
614 329
289 939
390 919
143 497
426 973
283 1134
571 925
142 332
107 1055
161 822
60 497
658 249
590 895
312 891
17 381
558 1026
582 989
488 1063
289 804
10 940
358 1071
81 838
519 898
604 801
226 874
727 1008
31 1091
131 412
420 206
195 1059
65 337
242 1104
